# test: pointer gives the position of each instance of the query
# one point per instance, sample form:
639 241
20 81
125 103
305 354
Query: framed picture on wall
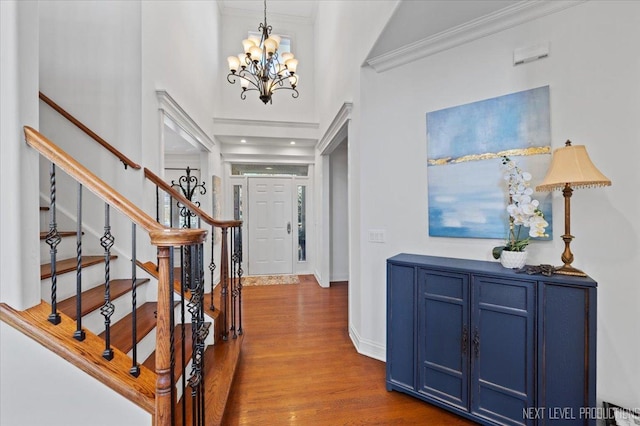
465 146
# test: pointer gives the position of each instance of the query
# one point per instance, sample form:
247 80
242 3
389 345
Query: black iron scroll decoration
188 185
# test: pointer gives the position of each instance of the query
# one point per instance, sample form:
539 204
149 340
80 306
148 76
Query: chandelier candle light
261 67
571 168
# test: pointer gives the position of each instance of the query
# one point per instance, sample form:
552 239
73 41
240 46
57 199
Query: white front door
270 226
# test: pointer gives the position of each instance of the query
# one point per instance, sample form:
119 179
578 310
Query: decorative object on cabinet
513 259
523 211
465 145
490 344
571 168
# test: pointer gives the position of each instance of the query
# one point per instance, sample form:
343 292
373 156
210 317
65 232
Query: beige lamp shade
571 165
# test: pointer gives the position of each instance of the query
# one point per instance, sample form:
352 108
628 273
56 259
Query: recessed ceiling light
292 142
243 141
269 168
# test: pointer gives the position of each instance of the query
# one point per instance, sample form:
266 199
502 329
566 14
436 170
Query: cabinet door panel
400 326
502 357
443 320
567 336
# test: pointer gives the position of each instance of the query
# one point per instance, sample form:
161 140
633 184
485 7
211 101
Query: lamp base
569 270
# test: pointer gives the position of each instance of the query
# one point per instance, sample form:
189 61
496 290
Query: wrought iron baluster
199 333
53 239
79 333
157 204
234 284
240 273
204 333
172 338
183 332
224 280
135 367
171 224
188 185
106 241
212 266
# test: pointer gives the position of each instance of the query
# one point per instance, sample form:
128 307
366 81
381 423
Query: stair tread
152 270
69 265
93 298
221 362
44 208
121 330
150 362
63 234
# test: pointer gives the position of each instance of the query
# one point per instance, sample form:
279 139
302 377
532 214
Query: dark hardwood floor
299 367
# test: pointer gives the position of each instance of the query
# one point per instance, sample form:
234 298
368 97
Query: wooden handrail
160 234
195 209
125 160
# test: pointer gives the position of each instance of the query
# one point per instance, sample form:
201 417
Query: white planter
513 259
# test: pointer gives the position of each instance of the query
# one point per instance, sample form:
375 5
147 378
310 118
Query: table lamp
571 168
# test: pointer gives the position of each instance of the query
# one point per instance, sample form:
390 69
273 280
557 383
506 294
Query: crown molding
265 123
179 116
329 140
500 20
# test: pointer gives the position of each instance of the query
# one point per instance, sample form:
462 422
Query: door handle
476 343
465 340
288 227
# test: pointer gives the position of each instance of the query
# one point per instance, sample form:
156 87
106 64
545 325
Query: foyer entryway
270 226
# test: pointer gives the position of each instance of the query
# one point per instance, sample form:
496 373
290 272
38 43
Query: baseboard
317 276
367 347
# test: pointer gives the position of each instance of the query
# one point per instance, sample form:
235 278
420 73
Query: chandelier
261 67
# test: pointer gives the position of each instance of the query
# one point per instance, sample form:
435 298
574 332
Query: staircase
158 340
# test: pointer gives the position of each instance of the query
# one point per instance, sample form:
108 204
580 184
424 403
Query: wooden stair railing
164 238
230 264
123 158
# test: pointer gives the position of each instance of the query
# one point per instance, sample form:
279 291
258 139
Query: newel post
165 239
164 399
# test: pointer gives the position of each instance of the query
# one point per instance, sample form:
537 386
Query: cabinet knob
465 340
476 342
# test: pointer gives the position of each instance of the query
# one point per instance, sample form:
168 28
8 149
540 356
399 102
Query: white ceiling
415 20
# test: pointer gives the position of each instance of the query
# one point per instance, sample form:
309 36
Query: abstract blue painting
467 193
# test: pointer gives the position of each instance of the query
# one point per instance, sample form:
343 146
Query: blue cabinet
490 344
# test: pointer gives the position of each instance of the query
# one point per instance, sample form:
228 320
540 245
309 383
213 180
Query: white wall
592 72
344 34
70 398
18 188
96 78
180 55
339 204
